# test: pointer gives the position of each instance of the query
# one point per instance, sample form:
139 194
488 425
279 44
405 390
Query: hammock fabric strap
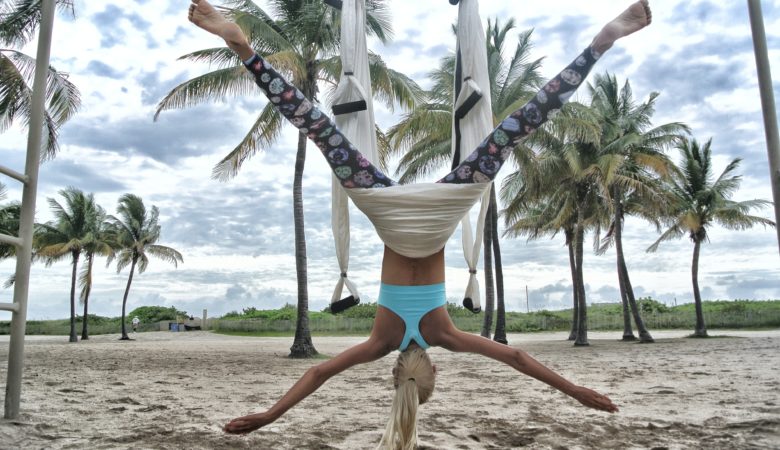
472 120
355 118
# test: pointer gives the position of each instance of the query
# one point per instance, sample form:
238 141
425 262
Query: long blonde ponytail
415 379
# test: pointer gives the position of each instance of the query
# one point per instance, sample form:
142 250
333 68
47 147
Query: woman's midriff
404 271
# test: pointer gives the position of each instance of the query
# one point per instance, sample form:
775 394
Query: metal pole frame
767 104
13 387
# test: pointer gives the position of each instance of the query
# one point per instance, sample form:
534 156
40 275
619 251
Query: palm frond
674 232
213 86
19 20
166 254
263 133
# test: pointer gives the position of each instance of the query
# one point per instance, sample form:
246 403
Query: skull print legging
482 165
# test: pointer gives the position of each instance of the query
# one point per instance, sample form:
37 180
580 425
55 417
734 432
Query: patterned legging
481 166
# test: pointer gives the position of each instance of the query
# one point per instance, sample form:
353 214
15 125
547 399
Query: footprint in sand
126 400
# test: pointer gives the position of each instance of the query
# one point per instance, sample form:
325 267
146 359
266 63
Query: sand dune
175 390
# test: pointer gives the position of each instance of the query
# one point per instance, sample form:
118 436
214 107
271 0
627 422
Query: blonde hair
414 379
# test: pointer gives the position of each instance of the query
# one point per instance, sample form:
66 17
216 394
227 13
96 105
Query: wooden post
527 308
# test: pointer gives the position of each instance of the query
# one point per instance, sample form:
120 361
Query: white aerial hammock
413 220
472 120
354 113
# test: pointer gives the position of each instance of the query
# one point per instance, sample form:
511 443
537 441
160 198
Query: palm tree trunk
644 335
582 313
628 332
125 337
701 329
87 290
487 241
302 346
575 292
500 334
73 335
625 280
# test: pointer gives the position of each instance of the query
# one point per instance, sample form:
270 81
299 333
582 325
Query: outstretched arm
459 341
315 377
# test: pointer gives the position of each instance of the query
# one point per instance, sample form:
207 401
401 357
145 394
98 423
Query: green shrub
152 314
648 305
737 306
456 310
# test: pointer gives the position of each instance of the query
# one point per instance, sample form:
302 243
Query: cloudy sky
236 237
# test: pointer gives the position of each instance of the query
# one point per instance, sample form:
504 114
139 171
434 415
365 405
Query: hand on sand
593 399
247 424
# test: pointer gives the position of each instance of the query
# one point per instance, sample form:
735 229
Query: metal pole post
527 307
767 104
13 387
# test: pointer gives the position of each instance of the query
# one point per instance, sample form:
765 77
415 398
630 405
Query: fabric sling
355 118
472 119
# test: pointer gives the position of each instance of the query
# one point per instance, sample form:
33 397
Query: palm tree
700 202
9 225
424 135
99 241
540 219
66 236
136 232
558 188
631 159
302 41
18 23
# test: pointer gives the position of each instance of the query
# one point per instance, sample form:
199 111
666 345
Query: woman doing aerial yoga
411 315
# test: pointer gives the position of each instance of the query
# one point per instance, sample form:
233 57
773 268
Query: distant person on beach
136 321
411 315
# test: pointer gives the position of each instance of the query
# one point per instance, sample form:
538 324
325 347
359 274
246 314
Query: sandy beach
167 390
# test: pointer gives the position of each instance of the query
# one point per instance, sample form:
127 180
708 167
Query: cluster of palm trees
81 231
595 164
81 227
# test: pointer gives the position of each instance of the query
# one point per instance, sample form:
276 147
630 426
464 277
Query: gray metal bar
767 104
6 239
13 387
9 307
13 174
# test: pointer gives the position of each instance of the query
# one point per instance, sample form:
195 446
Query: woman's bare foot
205 16
633 19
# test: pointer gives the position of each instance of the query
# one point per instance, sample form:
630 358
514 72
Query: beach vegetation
554 190
154 314
699 201
631 163
9 223
67 236
720 314
98 242
19 22
136 232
